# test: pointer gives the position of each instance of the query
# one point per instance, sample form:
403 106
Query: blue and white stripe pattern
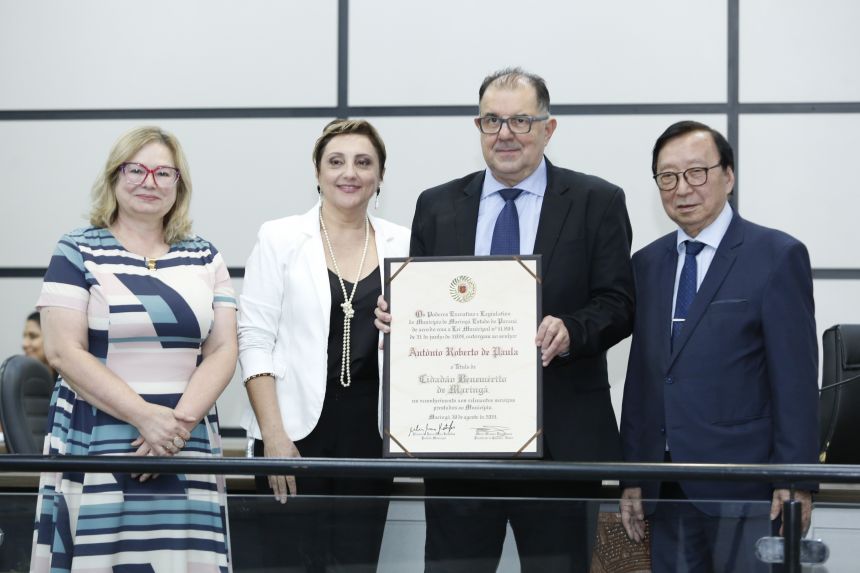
147 326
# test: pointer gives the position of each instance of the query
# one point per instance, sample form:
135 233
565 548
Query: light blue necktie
506 233
686 287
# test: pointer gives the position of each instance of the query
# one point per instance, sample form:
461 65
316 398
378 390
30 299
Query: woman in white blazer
309 350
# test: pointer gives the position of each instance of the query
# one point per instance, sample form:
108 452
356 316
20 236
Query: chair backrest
839 406
25 396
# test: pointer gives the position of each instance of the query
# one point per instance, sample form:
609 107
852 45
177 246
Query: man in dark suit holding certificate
523 204
723 365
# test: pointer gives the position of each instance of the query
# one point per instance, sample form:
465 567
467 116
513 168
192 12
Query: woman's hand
143 449
276 442
383 318
163 429
281 446
172 448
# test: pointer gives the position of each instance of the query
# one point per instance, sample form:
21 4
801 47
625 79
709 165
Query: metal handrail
794 475
436 468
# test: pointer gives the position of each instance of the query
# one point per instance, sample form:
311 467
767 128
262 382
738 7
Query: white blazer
284 315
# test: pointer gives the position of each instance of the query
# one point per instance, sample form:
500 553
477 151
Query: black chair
25 396
839 406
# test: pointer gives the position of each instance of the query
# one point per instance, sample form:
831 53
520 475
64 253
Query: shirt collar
534 183
713 233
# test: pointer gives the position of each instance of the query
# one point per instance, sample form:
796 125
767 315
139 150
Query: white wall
248 86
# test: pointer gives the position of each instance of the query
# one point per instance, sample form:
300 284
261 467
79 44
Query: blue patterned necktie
506 233
686 287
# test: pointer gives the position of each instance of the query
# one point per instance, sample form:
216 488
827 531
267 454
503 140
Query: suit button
669 380
662 430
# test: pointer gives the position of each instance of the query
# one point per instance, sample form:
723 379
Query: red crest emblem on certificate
462 288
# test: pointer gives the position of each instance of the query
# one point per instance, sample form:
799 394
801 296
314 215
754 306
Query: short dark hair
35 317
349 127
727 155
510 77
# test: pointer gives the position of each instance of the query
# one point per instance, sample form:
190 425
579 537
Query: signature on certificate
492 432
427 429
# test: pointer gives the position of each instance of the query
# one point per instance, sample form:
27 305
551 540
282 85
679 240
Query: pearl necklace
348 311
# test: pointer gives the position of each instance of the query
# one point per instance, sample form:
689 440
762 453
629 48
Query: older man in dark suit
579 224
723 365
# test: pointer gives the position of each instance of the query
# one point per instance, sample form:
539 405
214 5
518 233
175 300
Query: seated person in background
31 342
31 345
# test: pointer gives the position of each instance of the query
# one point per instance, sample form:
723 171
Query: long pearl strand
348 311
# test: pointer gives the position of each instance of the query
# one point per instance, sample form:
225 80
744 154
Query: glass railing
388 533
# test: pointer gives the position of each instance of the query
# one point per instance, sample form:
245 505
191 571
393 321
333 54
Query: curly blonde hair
104 208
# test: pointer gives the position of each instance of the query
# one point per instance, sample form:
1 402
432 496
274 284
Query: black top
364 366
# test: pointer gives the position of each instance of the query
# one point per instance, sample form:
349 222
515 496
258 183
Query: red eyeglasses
163 175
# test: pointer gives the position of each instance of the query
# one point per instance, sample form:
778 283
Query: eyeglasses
694 176
164 176
516 123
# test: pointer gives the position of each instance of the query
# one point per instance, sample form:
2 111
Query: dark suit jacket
584 238
740 386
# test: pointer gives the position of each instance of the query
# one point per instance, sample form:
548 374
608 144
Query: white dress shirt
712 236
528 204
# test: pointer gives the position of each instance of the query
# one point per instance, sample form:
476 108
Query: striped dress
146 326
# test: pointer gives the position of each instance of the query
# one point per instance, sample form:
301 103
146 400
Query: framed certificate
462 375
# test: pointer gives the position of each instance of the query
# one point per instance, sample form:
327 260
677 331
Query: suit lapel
724 258
315 259
466 215
668 269
553 213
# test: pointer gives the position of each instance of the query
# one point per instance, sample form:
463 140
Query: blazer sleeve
791 346
633 402
608 317
419 241
260 305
